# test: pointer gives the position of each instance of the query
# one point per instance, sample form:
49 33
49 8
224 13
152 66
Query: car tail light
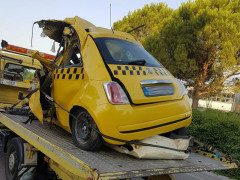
115 93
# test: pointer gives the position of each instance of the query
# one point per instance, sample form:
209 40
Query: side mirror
20 95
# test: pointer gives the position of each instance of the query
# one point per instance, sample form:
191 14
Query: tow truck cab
17 70
108 80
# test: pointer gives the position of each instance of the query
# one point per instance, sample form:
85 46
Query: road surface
184 176
2 173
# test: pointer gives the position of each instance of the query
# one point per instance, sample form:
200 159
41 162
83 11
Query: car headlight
184 90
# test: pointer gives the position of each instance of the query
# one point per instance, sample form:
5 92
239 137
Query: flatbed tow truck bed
106 164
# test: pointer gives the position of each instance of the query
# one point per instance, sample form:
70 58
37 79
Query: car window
117 51
17 72
73 58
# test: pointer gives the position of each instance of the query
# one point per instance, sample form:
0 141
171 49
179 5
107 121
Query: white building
226 101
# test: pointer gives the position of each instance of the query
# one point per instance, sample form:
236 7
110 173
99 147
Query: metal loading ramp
56 143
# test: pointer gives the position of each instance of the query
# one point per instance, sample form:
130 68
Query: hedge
220 129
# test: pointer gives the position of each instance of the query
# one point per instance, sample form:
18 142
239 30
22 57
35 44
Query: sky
17 16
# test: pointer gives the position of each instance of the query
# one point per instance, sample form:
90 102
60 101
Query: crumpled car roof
54 28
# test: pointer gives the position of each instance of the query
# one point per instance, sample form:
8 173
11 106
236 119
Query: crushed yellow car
110 83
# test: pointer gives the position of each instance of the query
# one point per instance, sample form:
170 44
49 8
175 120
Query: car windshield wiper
137 62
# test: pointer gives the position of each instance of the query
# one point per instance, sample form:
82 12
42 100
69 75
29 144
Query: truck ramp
56 143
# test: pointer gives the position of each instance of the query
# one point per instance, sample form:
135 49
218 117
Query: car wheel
84 133
14 158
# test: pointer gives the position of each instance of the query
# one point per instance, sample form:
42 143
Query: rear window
117 51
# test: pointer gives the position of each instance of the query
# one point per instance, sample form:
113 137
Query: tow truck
30 146
41 151
17 70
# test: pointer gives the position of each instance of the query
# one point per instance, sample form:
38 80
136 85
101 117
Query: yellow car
111 84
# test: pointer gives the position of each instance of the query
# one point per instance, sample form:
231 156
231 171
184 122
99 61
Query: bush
220 129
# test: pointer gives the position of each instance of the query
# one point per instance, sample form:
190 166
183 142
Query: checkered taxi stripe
139 70
69 73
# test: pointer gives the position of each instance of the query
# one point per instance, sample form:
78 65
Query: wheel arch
72 111
76 107
8 138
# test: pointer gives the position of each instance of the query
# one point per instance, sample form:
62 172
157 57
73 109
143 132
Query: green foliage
220 129
200 43
152 16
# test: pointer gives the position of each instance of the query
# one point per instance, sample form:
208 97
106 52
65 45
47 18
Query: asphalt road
2 171
184 176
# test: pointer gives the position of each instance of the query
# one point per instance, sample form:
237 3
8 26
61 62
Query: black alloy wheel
84 132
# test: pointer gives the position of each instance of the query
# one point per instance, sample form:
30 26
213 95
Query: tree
200 44
152 16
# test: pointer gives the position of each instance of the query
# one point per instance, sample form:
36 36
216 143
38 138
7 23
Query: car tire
14 158
84 132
